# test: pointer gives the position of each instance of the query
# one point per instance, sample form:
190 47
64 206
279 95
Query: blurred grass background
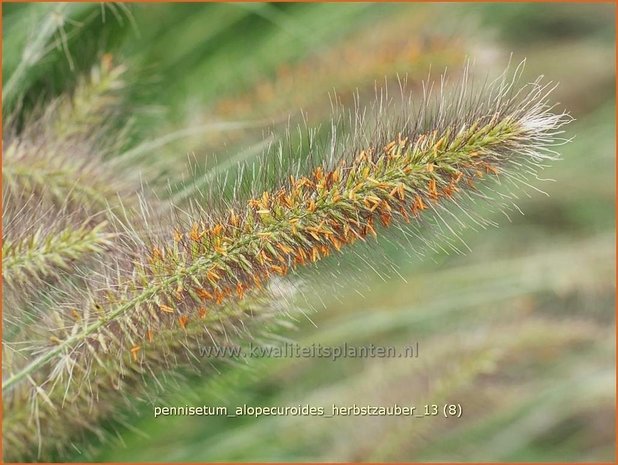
520 331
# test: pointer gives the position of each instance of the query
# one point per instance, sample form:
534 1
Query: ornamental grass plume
58 157
221 268
37 255
60 199
354 63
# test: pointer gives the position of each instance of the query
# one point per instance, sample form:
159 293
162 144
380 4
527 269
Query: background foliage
520 331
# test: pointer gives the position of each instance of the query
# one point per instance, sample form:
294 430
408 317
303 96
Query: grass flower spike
34 256
217 270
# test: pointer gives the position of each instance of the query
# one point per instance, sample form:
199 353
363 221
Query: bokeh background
520 331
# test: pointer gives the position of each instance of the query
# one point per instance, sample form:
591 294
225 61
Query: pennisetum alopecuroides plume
220 268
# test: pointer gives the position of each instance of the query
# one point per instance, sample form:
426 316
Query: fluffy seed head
215 269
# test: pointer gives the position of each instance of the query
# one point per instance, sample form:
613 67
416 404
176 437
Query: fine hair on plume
224 264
